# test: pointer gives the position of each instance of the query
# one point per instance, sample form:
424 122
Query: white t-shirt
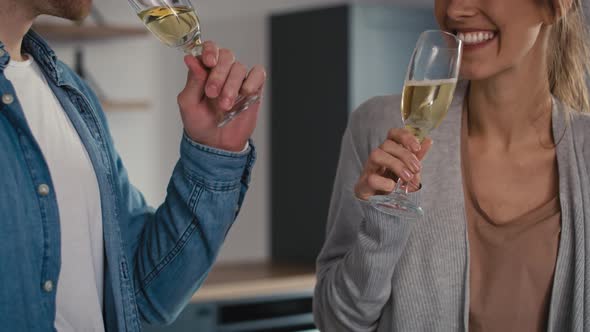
80 286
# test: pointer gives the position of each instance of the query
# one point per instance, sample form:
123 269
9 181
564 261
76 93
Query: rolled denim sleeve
175 247
219 168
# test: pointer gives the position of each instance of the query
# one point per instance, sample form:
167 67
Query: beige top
512 264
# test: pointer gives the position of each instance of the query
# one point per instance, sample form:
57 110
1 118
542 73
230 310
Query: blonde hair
568 59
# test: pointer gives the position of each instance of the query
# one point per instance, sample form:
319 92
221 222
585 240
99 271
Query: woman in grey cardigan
502 245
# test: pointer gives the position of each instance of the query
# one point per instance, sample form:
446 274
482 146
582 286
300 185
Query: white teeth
471 38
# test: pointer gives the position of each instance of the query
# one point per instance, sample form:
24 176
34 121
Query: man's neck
16 18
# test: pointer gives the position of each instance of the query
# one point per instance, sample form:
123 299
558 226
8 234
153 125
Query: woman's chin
473 75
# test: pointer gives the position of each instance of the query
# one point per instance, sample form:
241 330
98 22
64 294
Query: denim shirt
154 259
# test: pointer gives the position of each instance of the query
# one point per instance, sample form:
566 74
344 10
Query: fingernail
407 175
414 186
211 89
211 59
417 166
226 103
416 147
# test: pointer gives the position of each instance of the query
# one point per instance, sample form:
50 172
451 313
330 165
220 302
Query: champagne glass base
396 204
242 104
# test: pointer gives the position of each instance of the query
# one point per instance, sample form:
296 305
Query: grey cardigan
382 273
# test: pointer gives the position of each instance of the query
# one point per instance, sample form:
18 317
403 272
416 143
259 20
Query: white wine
174 26
425 104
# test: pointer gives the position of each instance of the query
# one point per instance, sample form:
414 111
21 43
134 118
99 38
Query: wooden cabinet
250 297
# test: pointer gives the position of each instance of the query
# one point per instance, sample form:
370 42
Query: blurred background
324 58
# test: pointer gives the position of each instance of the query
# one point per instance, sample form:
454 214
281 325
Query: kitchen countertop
245 280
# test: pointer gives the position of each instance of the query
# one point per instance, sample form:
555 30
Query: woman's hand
398 157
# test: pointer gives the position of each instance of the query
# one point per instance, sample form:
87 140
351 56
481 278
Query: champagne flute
428 92
176 24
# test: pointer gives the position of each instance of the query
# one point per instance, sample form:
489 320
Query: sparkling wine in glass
176 24
428 92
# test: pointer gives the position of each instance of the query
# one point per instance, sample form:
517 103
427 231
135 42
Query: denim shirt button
7 99
48 286
43 190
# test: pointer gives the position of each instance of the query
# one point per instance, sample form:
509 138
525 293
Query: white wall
148 141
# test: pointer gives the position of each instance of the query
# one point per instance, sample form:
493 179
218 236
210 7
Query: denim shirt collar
4 57
34 45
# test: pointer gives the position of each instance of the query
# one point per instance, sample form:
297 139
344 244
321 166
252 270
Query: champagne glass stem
401 187
194 48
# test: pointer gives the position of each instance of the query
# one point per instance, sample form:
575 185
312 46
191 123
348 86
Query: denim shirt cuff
215 166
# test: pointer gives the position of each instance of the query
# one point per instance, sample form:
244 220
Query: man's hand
214 82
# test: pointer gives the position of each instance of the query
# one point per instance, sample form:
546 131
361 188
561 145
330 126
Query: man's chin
78 17
74 10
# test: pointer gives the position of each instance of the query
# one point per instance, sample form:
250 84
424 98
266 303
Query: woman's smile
476 39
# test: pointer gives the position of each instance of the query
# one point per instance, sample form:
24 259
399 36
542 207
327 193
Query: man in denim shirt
79 248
